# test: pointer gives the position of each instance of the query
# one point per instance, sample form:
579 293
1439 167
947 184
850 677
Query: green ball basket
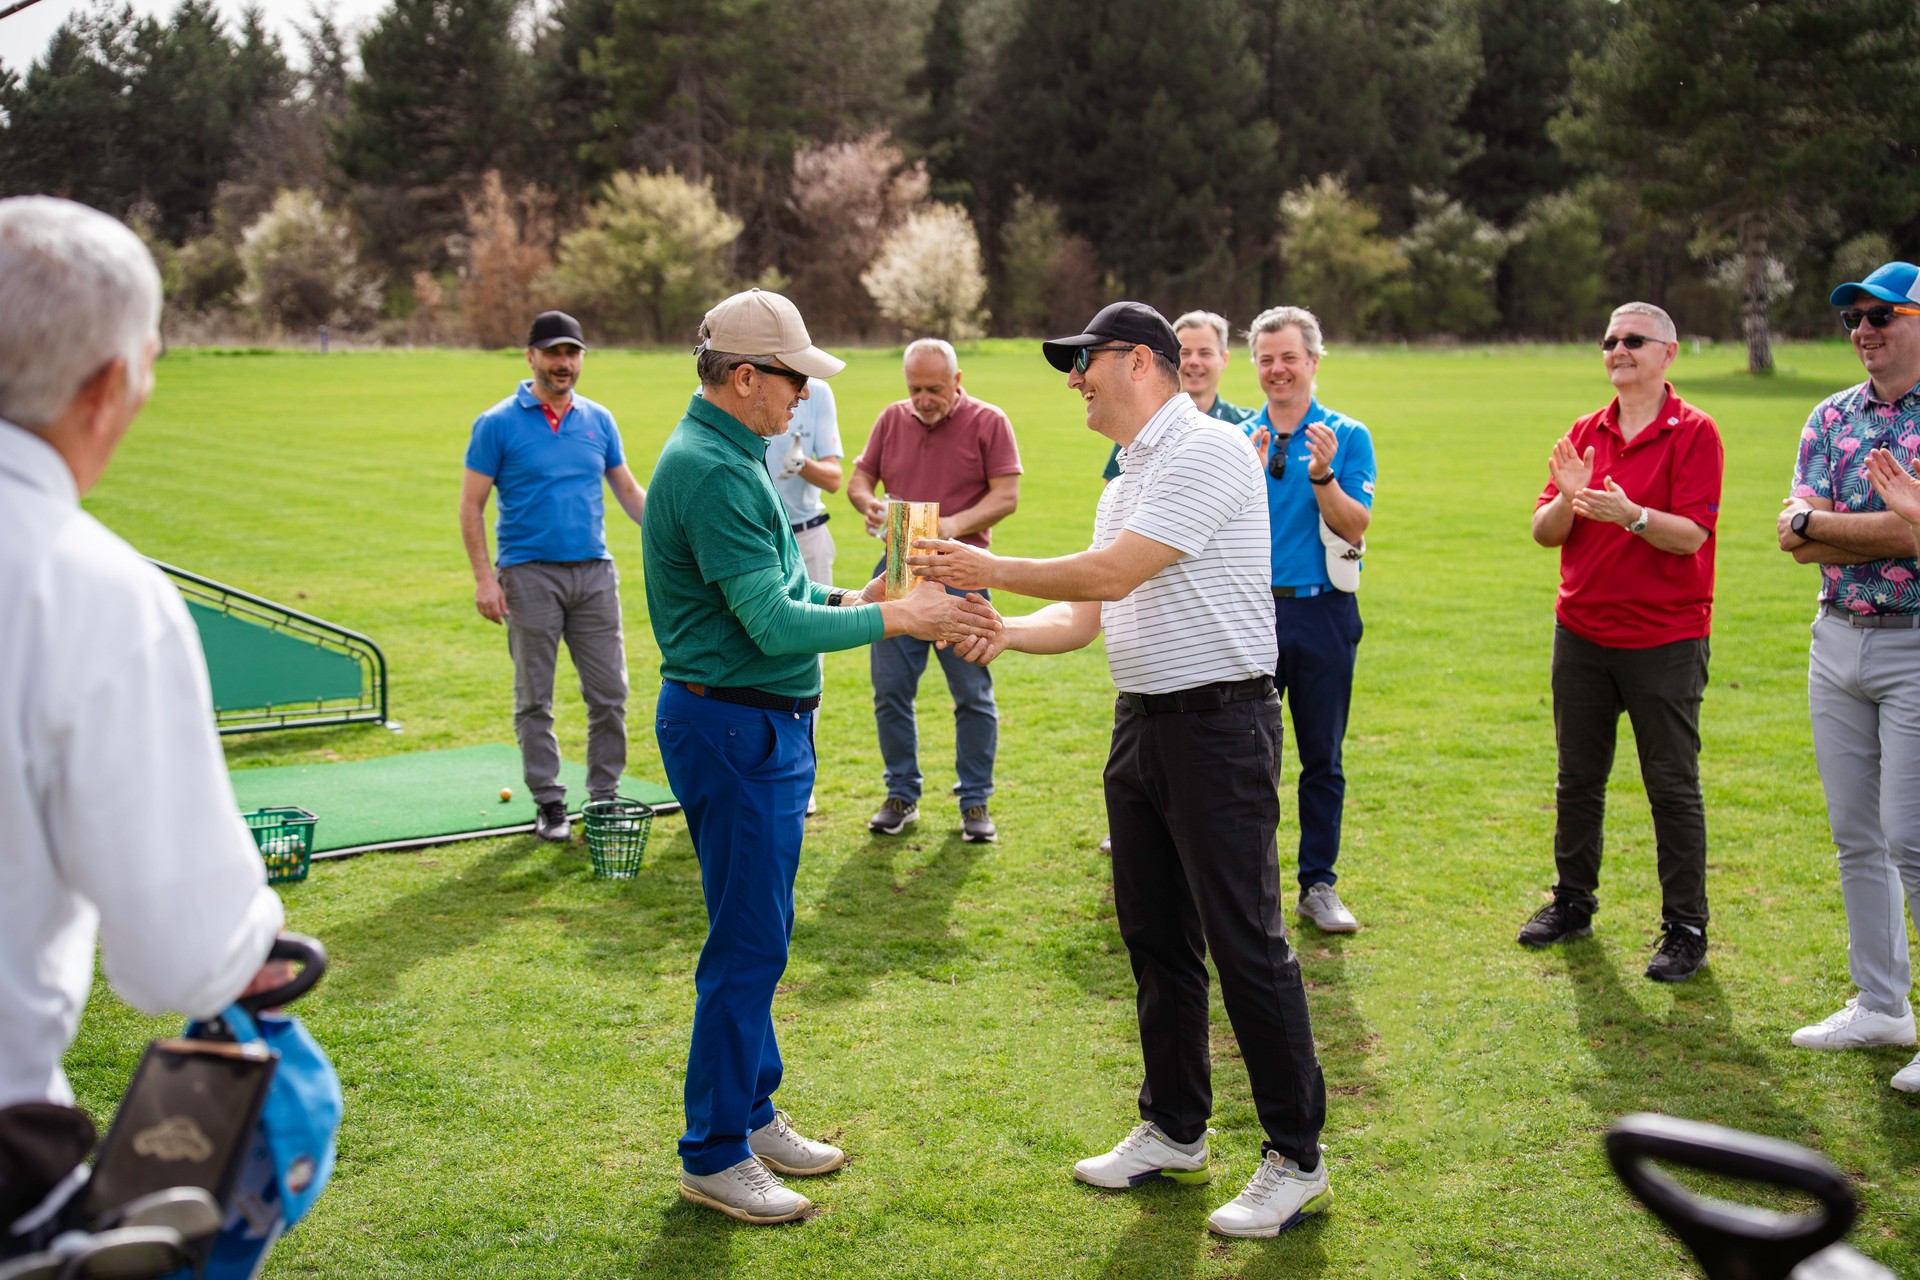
617 836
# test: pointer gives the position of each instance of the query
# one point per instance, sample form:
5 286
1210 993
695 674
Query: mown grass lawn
511 1031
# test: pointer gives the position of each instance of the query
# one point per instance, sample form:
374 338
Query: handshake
967 624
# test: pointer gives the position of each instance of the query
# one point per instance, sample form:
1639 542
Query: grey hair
1662 322
715 367
1206 320
1274 319
77 291
940 345
1166 368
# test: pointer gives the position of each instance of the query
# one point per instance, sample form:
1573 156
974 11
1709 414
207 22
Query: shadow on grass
1689 1062
1344 1040
876 919
692 1241
1169 1235
462 908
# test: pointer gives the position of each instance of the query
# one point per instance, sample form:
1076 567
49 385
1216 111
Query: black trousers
1192 803
1660 690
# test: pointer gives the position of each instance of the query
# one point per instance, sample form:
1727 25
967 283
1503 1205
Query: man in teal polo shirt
740 627
547 449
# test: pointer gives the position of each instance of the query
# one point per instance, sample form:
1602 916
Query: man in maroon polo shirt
938 445
1632 500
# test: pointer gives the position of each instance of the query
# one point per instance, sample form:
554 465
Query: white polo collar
30 461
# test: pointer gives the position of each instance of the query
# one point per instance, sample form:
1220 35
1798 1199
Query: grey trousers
1863 691
579 603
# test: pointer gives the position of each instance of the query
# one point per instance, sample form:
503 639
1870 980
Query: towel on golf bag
291 1158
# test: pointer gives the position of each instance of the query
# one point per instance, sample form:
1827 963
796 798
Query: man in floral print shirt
1863 683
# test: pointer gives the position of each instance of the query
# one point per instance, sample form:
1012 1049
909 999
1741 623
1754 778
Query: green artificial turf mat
419 797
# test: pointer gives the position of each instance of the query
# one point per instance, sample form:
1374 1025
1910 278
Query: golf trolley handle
1731 1241
313 964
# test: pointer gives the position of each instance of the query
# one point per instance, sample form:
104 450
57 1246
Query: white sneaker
1856 1027
746 1192
1907 1078
784 1151
813 804
1143 1156
1277 1197
1321 905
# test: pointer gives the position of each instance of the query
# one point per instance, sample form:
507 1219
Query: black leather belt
814 523
1206 697
1904 621
759 698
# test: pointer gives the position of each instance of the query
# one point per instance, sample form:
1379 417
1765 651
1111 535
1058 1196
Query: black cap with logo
551 328
1131 322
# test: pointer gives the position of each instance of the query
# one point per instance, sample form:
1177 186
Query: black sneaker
976 827
1682 953
892 817
551 823
1556 922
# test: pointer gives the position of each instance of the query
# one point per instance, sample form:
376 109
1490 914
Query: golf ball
506 793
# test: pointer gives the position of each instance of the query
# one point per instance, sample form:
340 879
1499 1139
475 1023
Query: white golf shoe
746 1192
1855 1026
784 1151
1278 1196
1142 1156
1907 1078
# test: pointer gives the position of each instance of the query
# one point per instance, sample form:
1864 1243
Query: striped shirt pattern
1195 485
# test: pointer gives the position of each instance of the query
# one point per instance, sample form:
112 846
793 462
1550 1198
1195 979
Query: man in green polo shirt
740 628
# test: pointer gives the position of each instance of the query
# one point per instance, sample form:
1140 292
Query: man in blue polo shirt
1320 474
547 450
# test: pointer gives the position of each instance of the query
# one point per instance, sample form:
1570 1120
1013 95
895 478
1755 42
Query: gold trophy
906 523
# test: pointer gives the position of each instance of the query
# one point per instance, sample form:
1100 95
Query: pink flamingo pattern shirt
1834 444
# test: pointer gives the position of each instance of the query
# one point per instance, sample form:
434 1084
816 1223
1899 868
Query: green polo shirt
713 514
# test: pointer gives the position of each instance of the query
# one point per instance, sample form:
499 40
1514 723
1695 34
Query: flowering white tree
927 277
302 268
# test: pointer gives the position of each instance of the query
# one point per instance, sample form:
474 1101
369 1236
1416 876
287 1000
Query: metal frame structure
369 708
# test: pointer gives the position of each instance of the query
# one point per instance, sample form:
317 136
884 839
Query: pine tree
1148 134
441 99
1744 122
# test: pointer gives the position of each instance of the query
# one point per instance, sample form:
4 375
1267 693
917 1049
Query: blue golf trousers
897 665
742 776
1319 640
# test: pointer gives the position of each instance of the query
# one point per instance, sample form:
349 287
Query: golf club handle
312 958
1730 1239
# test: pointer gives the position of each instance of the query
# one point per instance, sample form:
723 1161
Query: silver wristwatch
1640 525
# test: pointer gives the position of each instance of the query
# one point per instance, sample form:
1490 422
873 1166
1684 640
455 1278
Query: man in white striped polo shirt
1177 577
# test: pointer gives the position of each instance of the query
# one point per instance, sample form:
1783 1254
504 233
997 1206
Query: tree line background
1411 169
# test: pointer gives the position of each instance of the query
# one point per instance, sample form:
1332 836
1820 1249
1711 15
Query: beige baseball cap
767 325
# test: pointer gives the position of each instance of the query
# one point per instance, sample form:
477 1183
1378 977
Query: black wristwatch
1799 525
836 594
1326 479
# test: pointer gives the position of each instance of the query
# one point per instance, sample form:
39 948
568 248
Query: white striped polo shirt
1192 484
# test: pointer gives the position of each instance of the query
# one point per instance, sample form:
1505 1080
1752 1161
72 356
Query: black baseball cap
1134 322
551 328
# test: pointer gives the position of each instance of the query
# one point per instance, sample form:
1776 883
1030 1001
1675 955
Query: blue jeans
742 776
897 667
1319 641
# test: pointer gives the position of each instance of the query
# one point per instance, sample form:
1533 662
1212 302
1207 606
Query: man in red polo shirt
1632 500
938 445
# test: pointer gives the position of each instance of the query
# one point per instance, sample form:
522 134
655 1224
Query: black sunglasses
797 378
1084 356
1879 317
1277 455
1632 342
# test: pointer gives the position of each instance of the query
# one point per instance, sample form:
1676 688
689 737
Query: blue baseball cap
1895 282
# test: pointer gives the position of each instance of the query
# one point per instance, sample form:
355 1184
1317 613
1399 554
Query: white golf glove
796 458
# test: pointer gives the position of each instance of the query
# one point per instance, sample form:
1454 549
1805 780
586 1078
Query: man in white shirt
117 819
1177 577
